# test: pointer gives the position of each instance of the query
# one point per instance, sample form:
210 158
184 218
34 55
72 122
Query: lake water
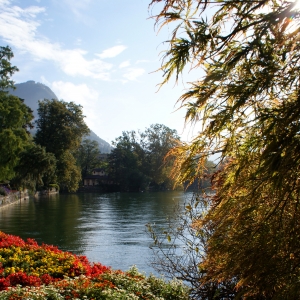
107 228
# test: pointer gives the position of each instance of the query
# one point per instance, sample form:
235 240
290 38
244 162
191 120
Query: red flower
80 265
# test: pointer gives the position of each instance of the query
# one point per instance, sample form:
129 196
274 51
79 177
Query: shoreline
17 197
13 197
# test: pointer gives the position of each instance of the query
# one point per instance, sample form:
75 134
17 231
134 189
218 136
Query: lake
107 228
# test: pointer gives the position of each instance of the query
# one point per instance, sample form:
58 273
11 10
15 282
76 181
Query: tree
60 129
60 126
179 249
6 69
35 168
247 102
126 163
204 182
68 173
157 141
15 119
138 160
88 156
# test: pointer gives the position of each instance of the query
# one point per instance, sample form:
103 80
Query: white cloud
133 74
112 52
4 2
73 63
124 64
45 81
80 94
18 27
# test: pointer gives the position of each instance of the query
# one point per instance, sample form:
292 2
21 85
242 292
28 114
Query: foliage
60 128
15 119
137 161
179 248
88 156
204 181
44 272
111 285
157 141
247 104
126 162
6 69
36 168
68 173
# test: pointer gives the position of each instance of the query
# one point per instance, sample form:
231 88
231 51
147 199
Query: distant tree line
137 162
60 155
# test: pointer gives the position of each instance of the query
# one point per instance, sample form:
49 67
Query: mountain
31 92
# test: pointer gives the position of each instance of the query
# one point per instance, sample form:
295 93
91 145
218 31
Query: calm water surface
107 228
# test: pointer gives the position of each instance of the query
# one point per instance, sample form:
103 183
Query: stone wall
13 197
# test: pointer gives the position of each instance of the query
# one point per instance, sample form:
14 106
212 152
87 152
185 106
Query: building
97 177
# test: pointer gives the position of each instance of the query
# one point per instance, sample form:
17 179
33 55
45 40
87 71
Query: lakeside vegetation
245 97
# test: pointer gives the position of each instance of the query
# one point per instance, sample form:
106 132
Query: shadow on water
107 228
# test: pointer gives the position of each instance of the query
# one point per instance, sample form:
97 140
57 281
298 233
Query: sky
101 54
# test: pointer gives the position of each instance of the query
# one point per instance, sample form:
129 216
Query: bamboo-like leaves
247 102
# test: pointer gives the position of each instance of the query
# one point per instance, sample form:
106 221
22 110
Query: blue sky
101 54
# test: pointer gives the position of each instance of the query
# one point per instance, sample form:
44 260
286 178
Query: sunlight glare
297 5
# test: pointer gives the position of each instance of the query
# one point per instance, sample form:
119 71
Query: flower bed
30 271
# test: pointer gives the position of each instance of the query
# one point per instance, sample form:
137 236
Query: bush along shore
36 272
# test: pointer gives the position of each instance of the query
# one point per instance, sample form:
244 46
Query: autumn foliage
245 100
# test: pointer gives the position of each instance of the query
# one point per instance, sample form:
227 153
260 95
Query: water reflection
109 228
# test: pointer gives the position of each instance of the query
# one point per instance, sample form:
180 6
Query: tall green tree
15 119
60 129
6 69
88 156
138 160
126 163
60 126
157 140
247 101
67 172
36 168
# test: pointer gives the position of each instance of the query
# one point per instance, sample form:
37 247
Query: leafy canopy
60 129
248 106
88 156
60 126
6 69
15 119
36 168
137 161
